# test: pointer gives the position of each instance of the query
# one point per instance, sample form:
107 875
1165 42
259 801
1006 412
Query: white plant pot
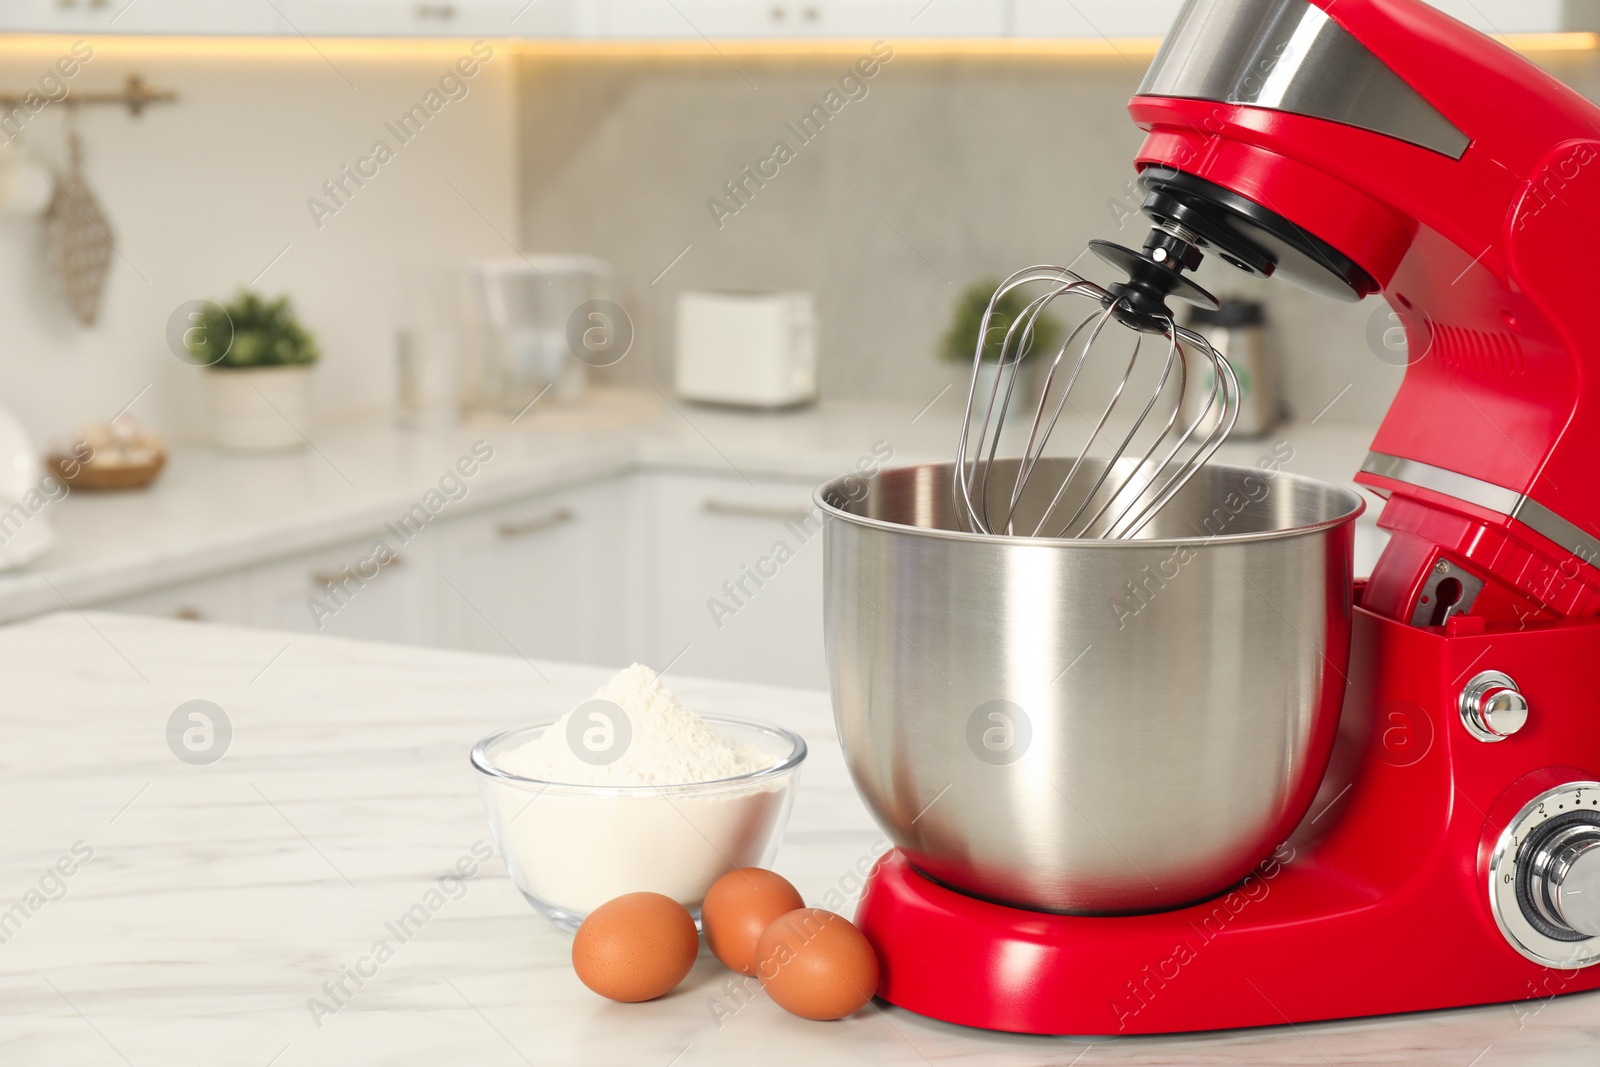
1024 384
266 409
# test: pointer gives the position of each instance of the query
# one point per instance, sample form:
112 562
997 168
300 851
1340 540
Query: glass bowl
571 848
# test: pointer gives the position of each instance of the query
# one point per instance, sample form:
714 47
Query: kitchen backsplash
882 182
926 176
222 187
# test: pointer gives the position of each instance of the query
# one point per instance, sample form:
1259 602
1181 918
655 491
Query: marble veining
219 899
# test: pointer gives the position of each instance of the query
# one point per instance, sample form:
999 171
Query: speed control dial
1545 877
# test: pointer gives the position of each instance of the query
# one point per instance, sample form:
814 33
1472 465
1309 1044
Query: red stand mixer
1452 857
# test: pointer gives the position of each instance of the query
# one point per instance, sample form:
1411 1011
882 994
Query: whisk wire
1088 445
972 516
1025 322
1224 392
1174 356
1030 453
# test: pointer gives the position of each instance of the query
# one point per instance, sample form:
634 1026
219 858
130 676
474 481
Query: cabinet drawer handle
533 526
756 511
322 578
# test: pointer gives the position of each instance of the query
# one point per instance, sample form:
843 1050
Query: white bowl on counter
571 848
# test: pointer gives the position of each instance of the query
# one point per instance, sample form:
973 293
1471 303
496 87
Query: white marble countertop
211 511
220 898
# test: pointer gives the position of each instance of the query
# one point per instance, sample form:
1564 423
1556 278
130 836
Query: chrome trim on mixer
1568 535
1497 498
1289 55
1439 480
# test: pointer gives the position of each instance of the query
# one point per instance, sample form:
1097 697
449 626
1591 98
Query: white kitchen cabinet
223 598
1509 16
352 590
1153 18
1370 543
551 577
892 19
494 19
225 17
803 18
293 18
683 19
649 19
1095 19
711 575
738 579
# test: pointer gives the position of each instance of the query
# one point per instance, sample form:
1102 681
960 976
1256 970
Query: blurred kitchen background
584 152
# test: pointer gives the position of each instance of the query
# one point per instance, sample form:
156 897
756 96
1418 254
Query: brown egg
738 909
635 947
816 964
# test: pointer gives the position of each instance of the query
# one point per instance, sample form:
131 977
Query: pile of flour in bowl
570 847
667 745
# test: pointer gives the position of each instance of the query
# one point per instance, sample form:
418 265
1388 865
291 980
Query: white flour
667 744
570 851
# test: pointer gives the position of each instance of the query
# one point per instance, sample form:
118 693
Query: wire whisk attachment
1114 388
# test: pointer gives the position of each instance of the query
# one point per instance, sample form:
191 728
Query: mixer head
1349 146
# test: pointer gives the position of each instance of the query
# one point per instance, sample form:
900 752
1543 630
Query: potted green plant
258 359
960 341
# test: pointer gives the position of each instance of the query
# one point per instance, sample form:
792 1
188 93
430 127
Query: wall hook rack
136 95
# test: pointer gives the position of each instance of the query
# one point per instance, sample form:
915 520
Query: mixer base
1379 904
962 960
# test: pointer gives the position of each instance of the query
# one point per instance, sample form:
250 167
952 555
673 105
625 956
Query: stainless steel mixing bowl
1094 727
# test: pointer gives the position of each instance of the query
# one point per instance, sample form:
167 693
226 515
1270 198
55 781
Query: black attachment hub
1154 276
1250 235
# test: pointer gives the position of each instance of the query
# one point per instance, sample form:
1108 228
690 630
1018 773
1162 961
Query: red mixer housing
1488 452
1415 880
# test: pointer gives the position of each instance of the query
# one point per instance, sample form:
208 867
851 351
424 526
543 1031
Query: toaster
746 348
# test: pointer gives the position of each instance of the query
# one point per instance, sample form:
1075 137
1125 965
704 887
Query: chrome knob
1564 879
1492 708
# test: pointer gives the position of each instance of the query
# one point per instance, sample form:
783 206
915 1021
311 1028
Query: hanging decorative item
77 236
78 241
